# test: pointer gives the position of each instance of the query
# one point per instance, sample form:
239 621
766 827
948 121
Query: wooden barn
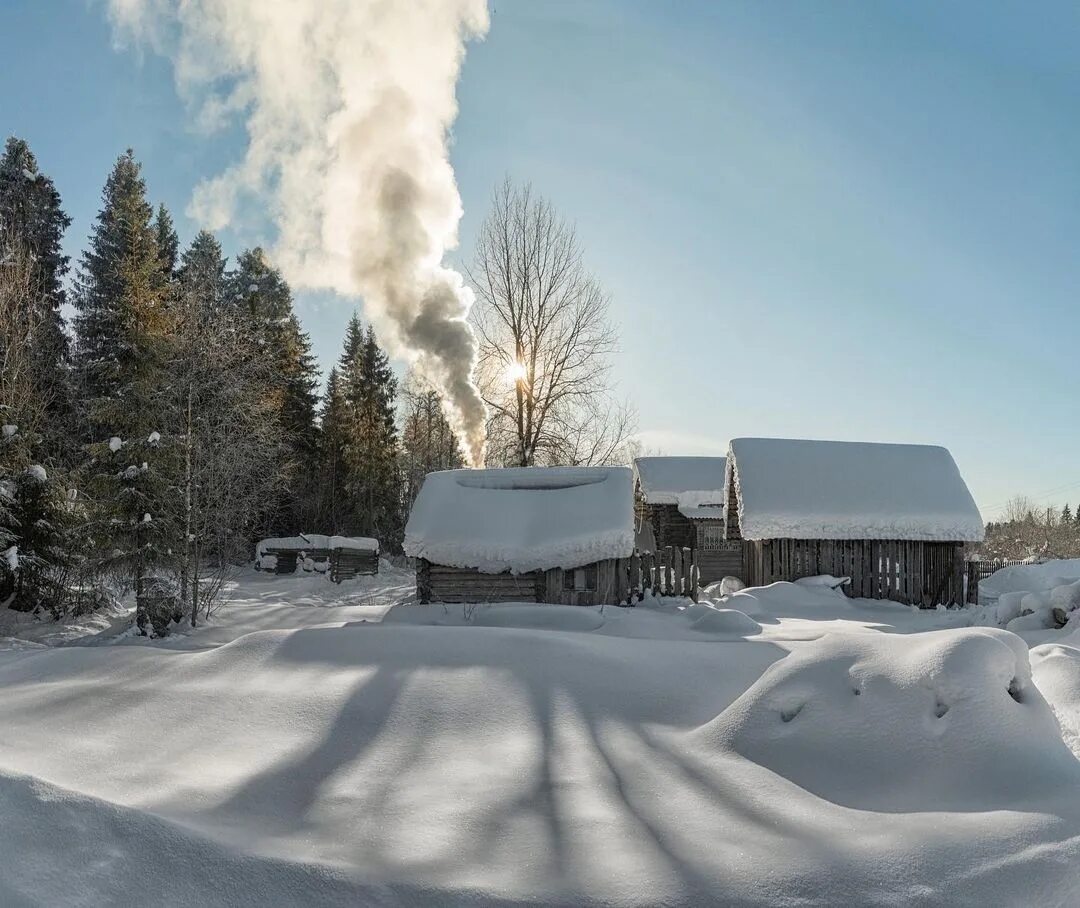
679 501
534 534
893 518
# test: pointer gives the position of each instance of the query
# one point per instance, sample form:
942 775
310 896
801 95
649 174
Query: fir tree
1066 514
333 435
123 328
168 242
42 541
373 481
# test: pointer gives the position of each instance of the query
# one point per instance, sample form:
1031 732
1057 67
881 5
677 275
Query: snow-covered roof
316 541
798 489
523 518
664 479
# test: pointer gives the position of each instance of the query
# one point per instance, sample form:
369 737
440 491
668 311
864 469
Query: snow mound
721 621
102 843
539 617
1032 597
794 600
934 721
1028 578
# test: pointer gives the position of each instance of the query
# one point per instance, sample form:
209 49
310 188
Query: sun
516 372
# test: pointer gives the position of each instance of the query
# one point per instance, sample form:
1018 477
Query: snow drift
937 721
497 755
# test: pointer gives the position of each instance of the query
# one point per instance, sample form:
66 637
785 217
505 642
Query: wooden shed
679 501
533 534
343 557
893 518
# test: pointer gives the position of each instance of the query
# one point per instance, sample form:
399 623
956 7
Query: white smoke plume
347 106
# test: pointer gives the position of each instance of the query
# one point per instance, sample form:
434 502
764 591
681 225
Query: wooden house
533 534
893 518
679 501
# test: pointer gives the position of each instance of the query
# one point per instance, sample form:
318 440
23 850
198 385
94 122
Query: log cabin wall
916 573
602 583
732 530
669 526
442 583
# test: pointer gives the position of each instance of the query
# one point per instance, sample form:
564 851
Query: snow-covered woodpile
893 518
544 534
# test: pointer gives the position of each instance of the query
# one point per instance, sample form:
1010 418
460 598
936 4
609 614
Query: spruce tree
1066 514
260 293
373 480
123 327
334 422
168 242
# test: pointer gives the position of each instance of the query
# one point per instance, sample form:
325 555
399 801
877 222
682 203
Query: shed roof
523 518
800 489
664 479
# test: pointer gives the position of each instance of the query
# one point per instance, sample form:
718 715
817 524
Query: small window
580 580
711 537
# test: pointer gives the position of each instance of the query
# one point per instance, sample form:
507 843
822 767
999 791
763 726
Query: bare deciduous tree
1019 508
546 340
228 441
24 399
427 441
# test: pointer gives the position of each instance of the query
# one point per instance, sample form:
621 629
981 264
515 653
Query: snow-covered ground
322 744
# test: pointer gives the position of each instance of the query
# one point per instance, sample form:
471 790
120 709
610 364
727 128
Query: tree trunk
185 573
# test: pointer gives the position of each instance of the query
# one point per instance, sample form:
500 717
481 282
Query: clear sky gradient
836 220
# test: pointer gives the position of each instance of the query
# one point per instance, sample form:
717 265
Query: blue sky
836 220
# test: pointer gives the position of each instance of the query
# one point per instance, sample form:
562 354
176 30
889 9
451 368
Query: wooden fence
980 570
986 568
672 571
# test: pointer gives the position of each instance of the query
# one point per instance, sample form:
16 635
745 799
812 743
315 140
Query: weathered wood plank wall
919 573
669 525
619 581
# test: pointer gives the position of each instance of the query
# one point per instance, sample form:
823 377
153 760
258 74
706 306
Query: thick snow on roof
797 489
523 518
664 479
316 541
